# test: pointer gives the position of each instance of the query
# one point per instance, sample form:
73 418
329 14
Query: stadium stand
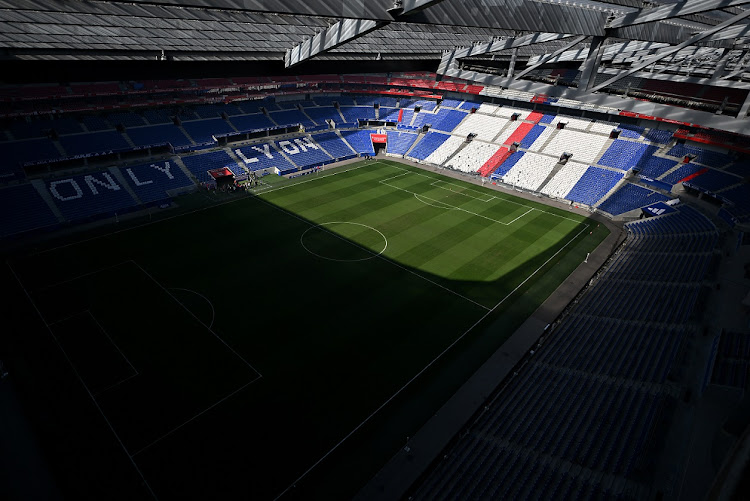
629 197
509 163
429 143
251 122
472 157
625 155
714 180
22 209
127 119
400 142
702 156
584 147
682 172
202 131
565 179
95 142
597 385
158 134
200 164
320 114
150 182
445 150
16 153
334 145
593 185
530 171
86 196
262 156
732 360
291 117
303 152
360 141
353 113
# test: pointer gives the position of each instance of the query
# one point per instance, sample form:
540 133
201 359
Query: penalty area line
426 367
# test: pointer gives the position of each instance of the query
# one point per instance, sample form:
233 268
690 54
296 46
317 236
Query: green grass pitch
232 349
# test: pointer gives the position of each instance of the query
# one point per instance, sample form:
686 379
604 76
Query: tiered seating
682 172
291 105
359 140
15 153
321 114
509 163
593 185
472 157
95 123
251 122
547 119
740 197
388 114
28 129
303 152
66 126
626 154
445 120
584 147
486 127
631 131
530 171
741 169
202 131
714 180
657 135
450 103
445 150
494 162
630 197
603 127
732 360
655 167
291 117
85 196
152 181
209 110
158 134
199 165
23 209
429 143
565 179
400 142
94 142
532 135
469 105
158 115
592 396
127 119
354 113
262 156
542 138
705 157
333 144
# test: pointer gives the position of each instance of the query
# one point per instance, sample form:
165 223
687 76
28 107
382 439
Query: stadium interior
173 157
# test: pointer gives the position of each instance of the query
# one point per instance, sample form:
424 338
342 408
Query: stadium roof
706 41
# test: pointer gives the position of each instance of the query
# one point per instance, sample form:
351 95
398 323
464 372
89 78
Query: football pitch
287 343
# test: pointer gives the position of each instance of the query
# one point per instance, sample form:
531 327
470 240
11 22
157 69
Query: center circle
340 241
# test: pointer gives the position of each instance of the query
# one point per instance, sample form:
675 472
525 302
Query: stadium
422 249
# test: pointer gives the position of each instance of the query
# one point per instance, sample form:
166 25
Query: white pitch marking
498 198
213 311
301 241
440 355
80 379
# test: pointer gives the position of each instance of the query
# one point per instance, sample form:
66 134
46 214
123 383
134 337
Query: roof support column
575 41
744 108
513 57
691 41
590 66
